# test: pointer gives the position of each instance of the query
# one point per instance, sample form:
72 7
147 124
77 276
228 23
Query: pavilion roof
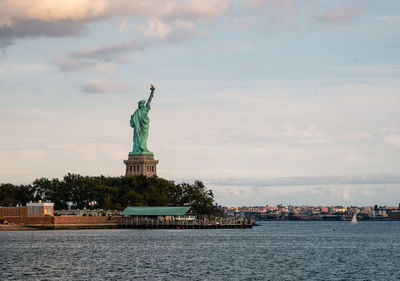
156 211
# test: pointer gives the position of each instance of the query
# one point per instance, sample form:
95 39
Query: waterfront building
40 208
32 210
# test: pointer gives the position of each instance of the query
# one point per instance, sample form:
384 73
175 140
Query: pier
219 223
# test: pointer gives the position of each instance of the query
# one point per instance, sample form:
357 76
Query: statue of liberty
140 123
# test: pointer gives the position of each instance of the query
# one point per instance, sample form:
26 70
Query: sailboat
354 220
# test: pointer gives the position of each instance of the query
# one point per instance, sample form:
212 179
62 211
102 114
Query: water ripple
272 251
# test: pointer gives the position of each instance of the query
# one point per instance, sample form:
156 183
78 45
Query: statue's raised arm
151 95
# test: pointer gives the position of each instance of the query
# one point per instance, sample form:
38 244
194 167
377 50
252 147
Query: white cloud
393 139
391 130
68 18
168 31
123 25
156 28
109 50
68 63
238 24
314 195
88 10
104 86
100 58
19 68
48 10
106 68
282 12
388 19
356 136
32 154
340 14
303 181
268 4
155 31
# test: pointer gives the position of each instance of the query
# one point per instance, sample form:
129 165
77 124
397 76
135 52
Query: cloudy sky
266 101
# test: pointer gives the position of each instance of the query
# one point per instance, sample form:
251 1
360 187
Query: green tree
197 196
11 195
111 193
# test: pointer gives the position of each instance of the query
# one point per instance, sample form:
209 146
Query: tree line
110 193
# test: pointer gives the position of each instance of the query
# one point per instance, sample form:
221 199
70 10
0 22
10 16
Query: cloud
393 139
356 136
123 25
50 11
191 10
12 12
35 28
340 14
155 31
391 130
32 18
299 181
392 135
100 58
160 21
169 31
21 68
109 51
344 195
104 86
269 4
275 11
69 63
388 19
159 31
156 28
32 155
106 68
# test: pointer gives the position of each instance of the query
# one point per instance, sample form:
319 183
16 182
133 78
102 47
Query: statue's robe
140 122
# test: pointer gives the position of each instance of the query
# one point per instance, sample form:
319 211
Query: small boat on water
354 220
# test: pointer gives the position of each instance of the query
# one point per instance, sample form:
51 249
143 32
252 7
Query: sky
266 101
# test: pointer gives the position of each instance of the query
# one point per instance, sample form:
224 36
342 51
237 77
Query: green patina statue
140 123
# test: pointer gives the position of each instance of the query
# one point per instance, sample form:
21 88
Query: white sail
354 220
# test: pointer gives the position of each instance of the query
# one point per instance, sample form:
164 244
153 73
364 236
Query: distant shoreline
319 219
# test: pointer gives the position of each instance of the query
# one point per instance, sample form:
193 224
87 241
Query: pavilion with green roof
155 211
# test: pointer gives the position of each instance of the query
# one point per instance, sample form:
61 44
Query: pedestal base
141 164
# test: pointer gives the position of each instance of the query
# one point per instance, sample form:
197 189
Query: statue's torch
152 88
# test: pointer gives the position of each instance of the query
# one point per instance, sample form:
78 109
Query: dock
220 223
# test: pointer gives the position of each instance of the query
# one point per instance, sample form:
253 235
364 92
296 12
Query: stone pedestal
141 164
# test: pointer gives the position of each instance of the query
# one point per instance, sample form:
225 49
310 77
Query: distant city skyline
265 101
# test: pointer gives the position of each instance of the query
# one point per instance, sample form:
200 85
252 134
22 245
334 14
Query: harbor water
274 250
